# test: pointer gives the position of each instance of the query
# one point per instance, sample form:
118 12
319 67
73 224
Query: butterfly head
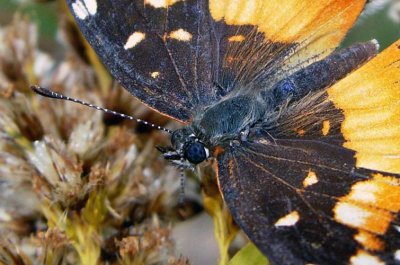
187 150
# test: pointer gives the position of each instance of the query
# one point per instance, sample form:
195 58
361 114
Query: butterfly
307 138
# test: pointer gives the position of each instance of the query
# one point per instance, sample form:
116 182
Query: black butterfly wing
308 199
159 52
167 54
303 201
180 56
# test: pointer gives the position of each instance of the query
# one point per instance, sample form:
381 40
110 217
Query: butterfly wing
359 112
307 199
303 201
180 56
161 51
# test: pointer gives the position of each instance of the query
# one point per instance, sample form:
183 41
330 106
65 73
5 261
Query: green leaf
249 255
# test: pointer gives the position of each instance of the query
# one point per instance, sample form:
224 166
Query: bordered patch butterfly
307 140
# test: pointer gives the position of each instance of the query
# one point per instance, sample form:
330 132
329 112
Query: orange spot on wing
360 216
237 38
301 132
326 126
181 35
378 222
370 204
388 195
377 192
155 74
311 179
369 241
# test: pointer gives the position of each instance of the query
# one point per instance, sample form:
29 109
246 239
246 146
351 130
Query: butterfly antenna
51 94
182 186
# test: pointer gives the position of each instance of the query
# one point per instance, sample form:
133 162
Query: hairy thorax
229 119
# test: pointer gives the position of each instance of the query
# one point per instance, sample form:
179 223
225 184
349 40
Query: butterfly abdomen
324 73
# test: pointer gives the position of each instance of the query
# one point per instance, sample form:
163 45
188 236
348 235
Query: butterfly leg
324 73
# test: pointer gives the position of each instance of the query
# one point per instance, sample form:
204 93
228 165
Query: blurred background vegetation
44 13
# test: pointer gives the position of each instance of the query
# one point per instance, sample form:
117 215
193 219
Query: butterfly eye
196 153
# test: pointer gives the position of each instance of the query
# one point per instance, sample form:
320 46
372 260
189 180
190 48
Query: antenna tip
42 91
34 88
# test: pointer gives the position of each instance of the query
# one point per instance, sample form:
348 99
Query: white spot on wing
83 9
364 258
397 255
364 192
134 39
80 10
160 3
288 220
91 6
181 35
350 214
